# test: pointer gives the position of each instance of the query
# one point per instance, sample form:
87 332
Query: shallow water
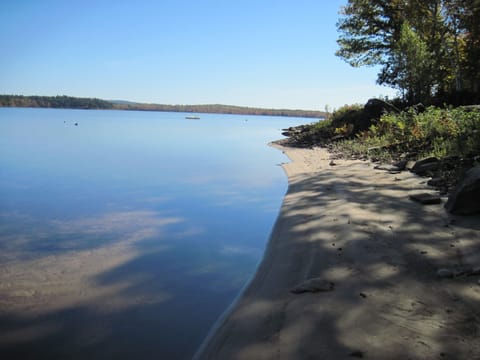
127 234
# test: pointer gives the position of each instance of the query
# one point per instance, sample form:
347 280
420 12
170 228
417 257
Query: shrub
414 133
435 131
347 115
341 111
322 129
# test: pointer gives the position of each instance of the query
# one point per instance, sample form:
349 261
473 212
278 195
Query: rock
451 273
418 108
361 119
375 108
426 199
338 138
332 163
357 354
409 165
389 168
313 285
475 271
471 107
401 165
451 161
444 273
425 166
437 182
465 199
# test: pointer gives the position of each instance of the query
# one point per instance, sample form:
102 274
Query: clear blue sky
266 53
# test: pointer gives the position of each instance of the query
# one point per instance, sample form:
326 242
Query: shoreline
355 227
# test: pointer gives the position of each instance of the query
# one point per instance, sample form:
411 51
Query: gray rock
401 165
313 285
410 164
445 273
452 273
389 168
356 354
465 199
375 108
476 270
426 199
362 119
425 166
437 182
471 107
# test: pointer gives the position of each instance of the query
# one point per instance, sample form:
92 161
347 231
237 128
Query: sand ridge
355 226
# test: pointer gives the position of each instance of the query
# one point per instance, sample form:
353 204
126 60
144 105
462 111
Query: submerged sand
356 227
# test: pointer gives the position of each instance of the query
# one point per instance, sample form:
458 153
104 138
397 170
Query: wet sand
351 225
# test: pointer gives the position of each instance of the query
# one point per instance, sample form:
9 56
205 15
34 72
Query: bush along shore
440 143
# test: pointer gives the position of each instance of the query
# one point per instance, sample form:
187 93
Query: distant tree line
62 102
222 109
427 49
67 102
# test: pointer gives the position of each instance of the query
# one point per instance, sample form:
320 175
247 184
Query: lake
127 234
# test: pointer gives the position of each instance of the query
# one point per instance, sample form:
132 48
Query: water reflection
58 268
127 235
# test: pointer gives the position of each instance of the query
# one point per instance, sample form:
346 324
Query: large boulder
360 119
375 108
354 117
426 199
426 166
465 199
372 112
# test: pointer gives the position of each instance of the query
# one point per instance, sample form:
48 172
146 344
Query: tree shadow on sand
382 251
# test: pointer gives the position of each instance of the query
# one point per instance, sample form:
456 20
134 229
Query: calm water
128 235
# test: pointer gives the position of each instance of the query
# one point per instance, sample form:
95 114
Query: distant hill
123 102
61 102
68 102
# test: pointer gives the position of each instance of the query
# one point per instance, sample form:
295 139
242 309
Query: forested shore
428 50
68 102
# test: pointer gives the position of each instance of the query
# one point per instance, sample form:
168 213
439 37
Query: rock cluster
465 198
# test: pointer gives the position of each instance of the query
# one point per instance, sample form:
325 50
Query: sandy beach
354 227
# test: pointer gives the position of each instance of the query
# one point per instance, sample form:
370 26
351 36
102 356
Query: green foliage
359 25
320 130
371 147
437 132
434 132
345 109
344 130
322 125
429 50
349 120
345 118
411 63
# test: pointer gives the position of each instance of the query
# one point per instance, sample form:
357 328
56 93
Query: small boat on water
192 117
